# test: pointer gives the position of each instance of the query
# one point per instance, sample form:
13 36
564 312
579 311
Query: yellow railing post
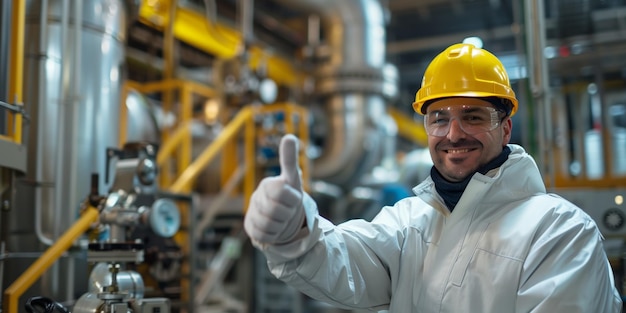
169 147
250 160
186 178
16 69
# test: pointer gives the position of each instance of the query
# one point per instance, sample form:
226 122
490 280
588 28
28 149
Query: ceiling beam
428 43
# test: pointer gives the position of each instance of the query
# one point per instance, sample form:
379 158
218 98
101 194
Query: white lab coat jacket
508 246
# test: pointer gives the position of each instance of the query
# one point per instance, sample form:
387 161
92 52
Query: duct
354 82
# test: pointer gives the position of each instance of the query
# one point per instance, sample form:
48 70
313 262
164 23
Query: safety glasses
471 118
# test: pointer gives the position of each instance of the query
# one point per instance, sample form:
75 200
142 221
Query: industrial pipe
354 82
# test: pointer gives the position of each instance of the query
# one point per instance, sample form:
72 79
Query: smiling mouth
456 151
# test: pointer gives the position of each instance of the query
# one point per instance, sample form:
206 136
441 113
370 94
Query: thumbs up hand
276 214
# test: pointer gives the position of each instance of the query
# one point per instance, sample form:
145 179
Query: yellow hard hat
463 70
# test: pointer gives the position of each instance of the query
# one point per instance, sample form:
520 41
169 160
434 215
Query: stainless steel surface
127 281
141 112
88 303
72 77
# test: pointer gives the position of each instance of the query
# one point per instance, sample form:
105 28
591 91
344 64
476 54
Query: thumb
288 154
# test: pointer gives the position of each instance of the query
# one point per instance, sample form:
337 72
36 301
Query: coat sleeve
348 265
567 270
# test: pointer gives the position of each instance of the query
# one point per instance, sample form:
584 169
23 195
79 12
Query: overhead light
211 110
476 41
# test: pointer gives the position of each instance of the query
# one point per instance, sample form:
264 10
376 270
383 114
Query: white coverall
508 246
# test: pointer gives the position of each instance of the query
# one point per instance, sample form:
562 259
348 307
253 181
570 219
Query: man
481 235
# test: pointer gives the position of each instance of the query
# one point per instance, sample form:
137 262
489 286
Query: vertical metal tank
74 52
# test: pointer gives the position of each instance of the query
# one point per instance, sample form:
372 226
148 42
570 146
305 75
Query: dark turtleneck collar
451 191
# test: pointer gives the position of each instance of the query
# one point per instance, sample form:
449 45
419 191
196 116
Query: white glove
276 214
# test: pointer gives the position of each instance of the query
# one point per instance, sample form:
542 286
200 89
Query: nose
456 132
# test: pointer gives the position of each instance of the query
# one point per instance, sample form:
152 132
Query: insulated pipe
353 84
355 30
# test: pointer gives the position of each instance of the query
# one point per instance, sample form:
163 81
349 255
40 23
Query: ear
507 126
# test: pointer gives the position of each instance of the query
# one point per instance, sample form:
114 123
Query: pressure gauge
164 217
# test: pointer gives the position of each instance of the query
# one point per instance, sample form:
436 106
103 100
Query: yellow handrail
183 182
22 283
181 133
244 118
186 90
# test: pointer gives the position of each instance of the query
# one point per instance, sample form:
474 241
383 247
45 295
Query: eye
476 117
438 120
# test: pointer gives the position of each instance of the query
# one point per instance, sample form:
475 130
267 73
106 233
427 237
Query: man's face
465 147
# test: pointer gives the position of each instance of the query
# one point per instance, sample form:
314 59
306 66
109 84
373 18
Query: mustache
463 143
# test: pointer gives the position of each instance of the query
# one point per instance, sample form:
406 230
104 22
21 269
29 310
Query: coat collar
516 179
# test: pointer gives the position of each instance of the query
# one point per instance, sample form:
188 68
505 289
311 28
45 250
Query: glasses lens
472 120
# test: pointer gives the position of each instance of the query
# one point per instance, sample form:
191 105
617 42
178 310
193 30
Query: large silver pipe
44 238
73 158
355 30
55 211
354 82
539 82
60 163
